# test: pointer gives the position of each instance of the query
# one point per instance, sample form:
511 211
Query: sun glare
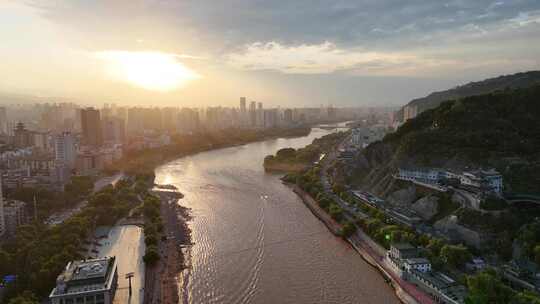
149 70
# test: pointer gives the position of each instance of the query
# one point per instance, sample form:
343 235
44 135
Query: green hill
500 130
514 81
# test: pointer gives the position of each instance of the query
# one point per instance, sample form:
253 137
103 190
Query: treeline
306 155
146 160
153 228
49 201
40 252
309 181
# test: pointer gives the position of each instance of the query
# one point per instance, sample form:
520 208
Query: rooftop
403 246
414 261
85 275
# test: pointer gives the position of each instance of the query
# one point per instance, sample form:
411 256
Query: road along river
254 239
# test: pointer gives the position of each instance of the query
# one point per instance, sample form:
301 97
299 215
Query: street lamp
129 276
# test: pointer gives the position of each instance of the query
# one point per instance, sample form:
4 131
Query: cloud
326 58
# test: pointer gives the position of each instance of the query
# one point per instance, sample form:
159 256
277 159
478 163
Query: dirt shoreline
334 227
161 280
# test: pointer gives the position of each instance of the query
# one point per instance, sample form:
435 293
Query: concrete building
489 181
22 137
2 214
3 121
65 151
91 127
86 281
406 262
14 216
252 114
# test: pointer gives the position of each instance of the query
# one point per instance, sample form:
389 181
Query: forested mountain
514 81
500 129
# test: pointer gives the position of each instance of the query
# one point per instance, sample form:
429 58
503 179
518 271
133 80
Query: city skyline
369 53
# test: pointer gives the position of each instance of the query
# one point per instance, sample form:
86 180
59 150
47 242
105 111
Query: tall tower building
91 127
64 145
252 114
3 121
22 137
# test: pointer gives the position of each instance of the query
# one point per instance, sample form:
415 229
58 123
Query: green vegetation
495 129
445 207
529 238
348 229
39 252
49 201
519 80
291 160
487 288
493 203
26 297
153 228
455 255
145 161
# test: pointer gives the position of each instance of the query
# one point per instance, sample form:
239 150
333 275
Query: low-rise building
86 281
406 262
484 180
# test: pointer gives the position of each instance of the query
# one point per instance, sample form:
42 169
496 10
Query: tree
348 230
26 297
335 212
286 153
526 297
537 254
487 288
455 255
151 255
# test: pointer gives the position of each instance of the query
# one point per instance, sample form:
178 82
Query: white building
86 281
425 175
489 180
65 151
420 264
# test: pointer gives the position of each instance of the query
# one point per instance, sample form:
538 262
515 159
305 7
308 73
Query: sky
279 52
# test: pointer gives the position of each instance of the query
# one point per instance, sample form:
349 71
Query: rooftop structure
93 281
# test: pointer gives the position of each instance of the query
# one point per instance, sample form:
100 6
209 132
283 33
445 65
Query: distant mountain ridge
513 81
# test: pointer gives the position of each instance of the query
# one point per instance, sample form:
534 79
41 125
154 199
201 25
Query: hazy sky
280 52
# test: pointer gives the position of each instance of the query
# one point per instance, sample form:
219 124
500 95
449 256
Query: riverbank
146 160
161 279
319 212
362 246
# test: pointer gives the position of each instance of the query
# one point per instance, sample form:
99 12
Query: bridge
523 198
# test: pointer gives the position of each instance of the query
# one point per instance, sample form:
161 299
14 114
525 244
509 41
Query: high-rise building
242 105
65 152
288 116
2 214
260 115
270 118
243 117
252 113
22 137
3 121
91 127
114 130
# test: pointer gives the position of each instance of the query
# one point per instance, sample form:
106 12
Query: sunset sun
149 70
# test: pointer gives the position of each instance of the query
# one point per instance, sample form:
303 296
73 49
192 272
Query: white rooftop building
86 281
